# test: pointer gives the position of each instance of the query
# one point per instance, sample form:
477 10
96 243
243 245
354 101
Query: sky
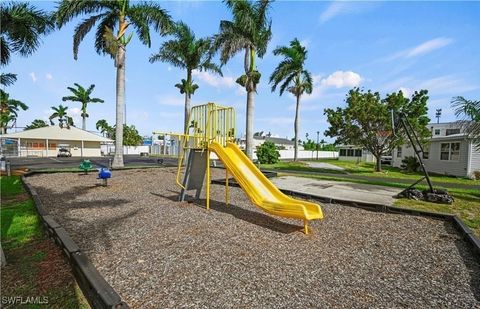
382 46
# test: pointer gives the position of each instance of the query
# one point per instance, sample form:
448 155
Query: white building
449 152
354 153
46 142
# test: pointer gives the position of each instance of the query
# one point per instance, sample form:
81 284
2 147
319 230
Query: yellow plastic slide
261 191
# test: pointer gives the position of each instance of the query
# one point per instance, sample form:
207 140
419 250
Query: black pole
406 125
318 132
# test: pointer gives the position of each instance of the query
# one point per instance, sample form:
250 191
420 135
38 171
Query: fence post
8 166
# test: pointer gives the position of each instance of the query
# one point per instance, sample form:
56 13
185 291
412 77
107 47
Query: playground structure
212 129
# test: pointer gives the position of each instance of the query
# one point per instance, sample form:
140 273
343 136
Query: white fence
306 154
130 150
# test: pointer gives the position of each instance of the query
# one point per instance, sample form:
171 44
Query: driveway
338 190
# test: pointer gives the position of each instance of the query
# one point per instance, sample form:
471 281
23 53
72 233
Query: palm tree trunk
187 112
249 123
188 98
4 130
296 128
84 123
120 103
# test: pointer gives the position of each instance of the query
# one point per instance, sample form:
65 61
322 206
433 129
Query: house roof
460 136
57 133
275 140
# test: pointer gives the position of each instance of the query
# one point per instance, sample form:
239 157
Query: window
399 151
52 146
351 152
450 151
437 131
452 131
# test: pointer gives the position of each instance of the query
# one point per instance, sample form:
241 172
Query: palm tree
250 31
114 16
82 95
22 26
9 109
37 123
60 112
469 113
188 53
104 128
293 77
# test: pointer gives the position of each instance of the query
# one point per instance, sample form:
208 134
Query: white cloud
336 80
334 9
33 76
341 79
215 80
421 49
49 76
447 85
337 8
429 46
443 85
75 113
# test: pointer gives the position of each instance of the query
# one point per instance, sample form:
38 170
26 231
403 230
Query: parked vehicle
64 152
386 160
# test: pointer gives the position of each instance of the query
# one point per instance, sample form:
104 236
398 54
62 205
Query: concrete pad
324 165
346 191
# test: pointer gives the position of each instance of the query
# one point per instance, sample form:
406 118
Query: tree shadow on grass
472 263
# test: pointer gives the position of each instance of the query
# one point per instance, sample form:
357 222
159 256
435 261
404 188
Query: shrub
267 153
410 164
476 175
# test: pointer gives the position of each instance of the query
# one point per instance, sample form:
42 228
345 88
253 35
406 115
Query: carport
47 141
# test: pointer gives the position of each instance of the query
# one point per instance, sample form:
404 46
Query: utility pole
438 114
318 134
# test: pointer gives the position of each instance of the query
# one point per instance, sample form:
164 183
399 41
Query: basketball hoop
382 136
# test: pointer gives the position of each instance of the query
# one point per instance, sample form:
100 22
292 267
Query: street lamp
438 114
318 132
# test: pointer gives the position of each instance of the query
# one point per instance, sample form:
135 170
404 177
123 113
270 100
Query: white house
46 142
354 153
449 152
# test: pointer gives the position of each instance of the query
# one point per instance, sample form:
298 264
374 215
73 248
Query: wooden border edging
461 227
95 288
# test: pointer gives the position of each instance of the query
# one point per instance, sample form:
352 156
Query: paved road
63 163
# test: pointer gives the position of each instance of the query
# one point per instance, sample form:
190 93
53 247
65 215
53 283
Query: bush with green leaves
267 153
410 164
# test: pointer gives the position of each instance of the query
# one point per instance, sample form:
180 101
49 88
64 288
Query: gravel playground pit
159 253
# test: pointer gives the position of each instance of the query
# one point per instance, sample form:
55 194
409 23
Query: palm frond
107 24
82 30
153 15
67 10
7 79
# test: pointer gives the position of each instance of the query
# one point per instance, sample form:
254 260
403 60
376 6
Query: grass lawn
35 265
364 169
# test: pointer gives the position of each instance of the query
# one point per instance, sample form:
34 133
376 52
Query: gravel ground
158 253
